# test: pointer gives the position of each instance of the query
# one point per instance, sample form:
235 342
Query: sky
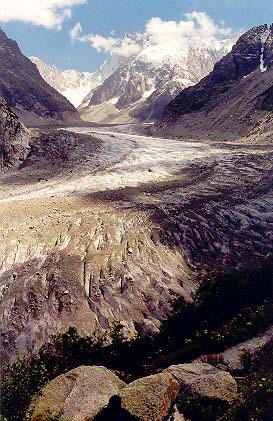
79 34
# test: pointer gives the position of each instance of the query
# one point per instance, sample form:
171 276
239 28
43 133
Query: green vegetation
227 308
197 409
255 401
23 380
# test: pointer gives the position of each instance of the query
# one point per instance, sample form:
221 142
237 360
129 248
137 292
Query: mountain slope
26 92
144 84
236 99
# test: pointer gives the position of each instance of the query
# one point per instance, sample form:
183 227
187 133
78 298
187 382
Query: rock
204 381
150 398
14 141
78 395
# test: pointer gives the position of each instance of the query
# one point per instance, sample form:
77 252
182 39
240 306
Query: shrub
198 409
23 380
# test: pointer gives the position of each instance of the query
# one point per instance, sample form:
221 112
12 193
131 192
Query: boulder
78 395
204 381
150 398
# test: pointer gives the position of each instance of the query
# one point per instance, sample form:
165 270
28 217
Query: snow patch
114 101
148 93
264 38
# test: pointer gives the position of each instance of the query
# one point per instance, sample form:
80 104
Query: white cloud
158 31
75 32
47 13
197 24
125 46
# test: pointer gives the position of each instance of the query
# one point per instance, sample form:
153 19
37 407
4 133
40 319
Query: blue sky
53 45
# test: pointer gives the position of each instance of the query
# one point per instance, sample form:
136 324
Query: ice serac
143 84
27 93
234 100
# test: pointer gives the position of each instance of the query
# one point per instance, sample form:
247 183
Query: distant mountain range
145 83
137 88
172 87
27 93
76 86
70 83
234 100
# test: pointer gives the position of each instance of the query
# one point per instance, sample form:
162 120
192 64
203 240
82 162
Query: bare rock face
13 138
204 381
233 99
78 395
150 398
26 92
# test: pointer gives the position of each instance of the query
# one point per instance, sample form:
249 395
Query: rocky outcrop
14 139
204 381
27 93
78 395
150 398
94 393
234 99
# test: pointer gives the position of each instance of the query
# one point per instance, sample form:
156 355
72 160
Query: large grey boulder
78 395
150 398
204 381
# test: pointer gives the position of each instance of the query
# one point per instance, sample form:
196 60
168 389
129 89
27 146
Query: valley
134 225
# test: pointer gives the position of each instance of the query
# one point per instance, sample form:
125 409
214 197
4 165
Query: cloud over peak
47 13
158 32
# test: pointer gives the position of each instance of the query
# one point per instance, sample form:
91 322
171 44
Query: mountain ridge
26 92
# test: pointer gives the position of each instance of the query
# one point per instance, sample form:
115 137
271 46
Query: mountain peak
144 83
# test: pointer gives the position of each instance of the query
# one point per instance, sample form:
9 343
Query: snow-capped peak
74 85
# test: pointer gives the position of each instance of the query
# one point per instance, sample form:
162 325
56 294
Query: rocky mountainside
26 92
13 138
144 84
234 100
